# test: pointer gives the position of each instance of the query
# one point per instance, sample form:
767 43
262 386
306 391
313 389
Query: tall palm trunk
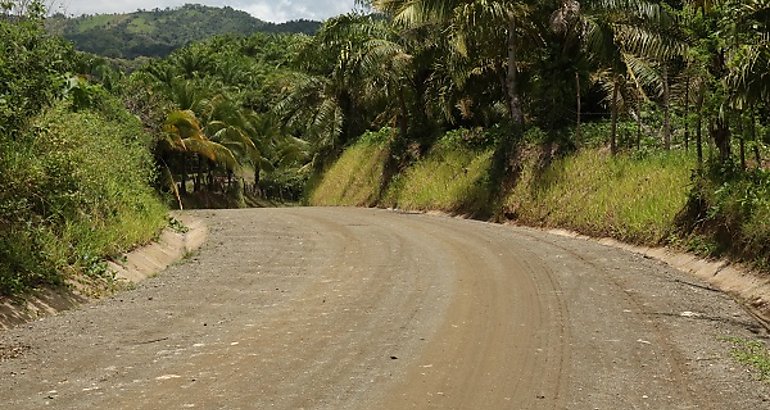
666 110
687 114
256 181
639 125
699 129
183 176
614 131
403 115
753 135
720 134
514 102
198 183
579 107
742 142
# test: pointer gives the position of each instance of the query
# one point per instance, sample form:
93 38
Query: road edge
747 288
144 262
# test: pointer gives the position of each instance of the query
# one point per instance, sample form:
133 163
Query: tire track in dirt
369 309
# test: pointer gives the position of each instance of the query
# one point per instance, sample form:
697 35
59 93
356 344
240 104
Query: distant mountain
156 33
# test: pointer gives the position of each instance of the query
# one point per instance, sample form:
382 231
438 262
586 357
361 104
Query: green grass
452 178
752 353
74 191
629 198
97 22
140 25
355 179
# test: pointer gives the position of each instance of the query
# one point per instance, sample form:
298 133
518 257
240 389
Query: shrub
75 188
729 209
453 177
32 68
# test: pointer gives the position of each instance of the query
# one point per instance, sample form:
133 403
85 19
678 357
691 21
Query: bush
75 188
728 212
32 68
453 177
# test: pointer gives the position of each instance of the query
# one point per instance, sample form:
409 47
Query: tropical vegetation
75 166
646 120
682 84
158 32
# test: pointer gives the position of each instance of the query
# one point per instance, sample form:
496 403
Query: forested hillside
156 33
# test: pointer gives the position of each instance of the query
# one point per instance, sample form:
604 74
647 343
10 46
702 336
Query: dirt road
369 309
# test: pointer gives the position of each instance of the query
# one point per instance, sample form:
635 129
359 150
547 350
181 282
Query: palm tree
182 137
326 101
749 75
626 39
229 125
490 25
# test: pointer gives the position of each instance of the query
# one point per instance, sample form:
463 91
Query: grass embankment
75 189
647 199
634 199
355 179
452 178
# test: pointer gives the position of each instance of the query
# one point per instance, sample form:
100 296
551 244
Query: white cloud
269 10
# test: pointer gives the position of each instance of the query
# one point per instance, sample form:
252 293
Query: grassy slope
354 180
74 191
452 178
632 199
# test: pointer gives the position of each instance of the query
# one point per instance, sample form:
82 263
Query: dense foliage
75 188
75 166
32 67
211 105
156 33
632 77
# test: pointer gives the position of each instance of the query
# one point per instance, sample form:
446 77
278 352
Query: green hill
156 33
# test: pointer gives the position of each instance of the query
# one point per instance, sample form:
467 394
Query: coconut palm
627 40
494 28
181 139
749 75
326 101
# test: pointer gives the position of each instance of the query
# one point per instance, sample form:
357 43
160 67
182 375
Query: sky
276 11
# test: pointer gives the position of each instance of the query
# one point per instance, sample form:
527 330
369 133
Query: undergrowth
75 189
632 198
453 177
728 213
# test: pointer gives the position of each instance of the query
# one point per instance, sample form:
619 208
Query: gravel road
332 308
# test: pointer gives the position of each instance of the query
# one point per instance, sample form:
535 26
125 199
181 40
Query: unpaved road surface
369 309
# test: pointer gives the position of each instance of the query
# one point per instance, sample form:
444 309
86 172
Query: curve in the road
363 309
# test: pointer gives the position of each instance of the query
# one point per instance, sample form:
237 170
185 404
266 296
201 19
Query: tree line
701 66
157 33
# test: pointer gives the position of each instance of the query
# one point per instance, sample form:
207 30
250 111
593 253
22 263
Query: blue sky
269 10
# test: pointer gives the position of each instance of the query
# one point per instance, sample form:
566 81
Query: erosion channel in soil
365 309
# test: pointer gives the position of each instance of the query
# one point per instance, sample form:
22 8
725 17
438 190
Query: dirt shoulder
170 247
367 309
748 288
